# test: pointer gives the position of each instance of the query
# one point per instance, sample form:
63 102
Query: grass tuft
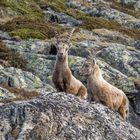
21 94
26 8
31 28
128 9
11 57
27 33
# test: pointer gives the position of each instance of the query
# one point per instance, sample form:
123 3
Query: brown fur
62 78
103 92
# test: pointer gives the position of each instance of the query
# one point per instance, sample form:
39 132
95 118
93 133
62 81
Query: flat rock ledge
62 116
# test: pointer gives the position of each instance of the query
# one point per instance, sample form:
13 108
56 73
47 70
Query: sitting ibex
103 92
62 78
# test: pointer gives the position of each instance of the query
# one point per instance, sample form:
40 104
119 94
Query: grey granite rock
5 94
56 116
18 78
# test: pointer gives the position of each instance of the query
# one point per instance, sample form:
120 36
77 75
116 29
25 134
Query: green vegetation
97 23
26 8
11 57
91 23
31 24
41 28
27 33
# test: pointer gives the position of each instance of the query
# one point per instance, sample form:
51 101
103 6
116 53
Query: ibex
103 92
62 78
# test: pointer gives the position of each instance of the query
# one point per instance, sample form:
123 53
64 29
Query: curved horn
70 35
57 36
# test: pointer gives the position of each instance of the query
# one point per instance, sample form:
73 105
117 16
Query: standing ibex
62 78
103 92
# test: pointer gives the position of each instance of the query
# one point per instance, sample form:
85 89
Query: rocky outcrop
108 28
106 12
60 18
62 116
123 58
18 78
5 94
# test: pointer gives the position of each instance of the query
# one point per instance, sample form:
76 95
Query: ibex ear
94 61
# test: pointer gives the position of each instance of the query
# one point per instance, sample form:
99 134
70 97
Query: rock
60 18
4 36
106 12
5 94
133 3
111 75
31 45
137 6
47 88
41 66
63 116
20 79
123 58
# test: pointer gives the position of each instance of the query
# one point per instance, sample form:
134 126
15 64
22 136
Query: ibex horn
57 36
70 35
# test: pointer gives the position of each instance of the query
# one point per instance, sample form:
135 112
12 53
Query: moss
12 57
27 33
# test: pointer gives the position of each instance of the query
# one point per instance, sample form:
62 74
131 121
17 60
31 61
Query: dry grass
128 9
45 30
10 57
91 23
36 28
21 94
4 20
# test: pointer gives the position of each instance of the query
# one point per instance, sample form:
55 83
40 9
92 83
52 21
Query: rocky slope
60 116
27 56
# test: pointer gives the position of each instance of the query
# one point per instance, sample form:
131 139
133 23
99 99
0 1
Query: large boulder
62 116
122 58
61 18
18 78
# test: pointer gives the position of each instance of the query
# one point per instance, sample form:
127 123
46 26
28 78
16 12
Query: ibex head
63 45
88 67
